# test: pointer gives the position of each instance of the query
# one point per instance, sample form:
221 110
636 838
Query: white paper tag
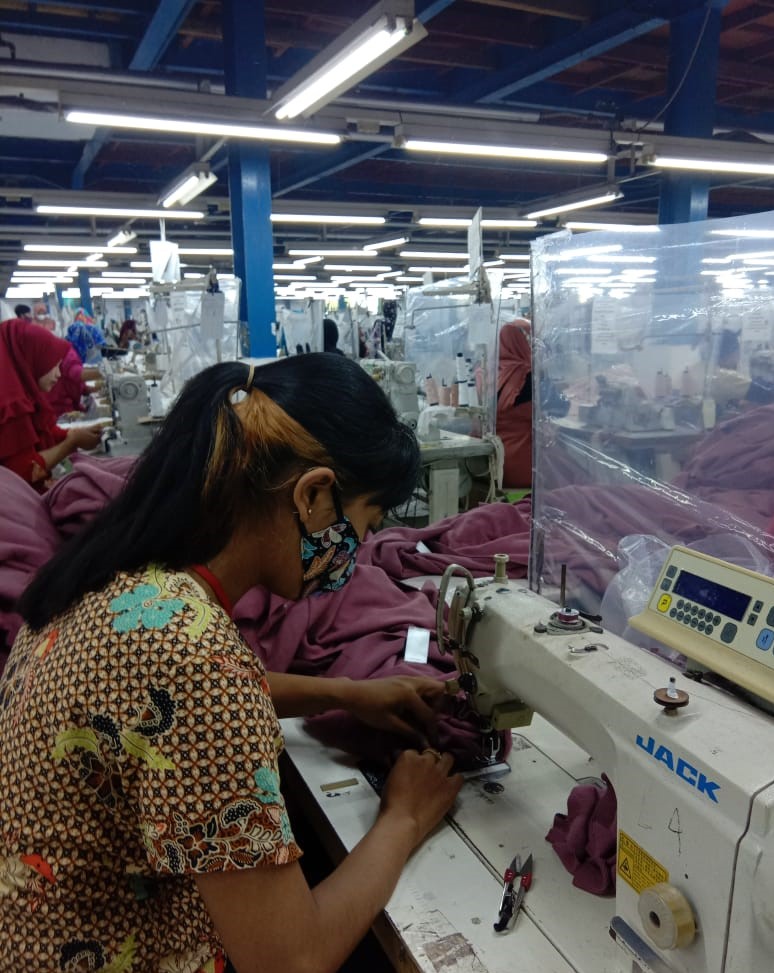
417 644
423 548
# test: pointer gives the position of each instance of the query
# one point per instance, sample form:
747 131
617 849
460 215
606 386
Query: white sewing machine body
695 789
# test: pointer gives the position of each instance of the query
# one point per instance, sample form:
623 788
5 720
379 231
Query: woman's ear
312 494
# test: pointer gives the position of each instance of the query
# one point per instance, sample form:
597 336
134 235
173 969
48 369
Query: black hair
21 309
214 462
330 335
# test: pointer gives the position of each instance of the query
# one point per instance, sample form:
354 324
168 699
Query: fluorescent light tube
351 267
141 263
525 257
598 200
123 236
434 254
453 222
62 263
397 241
65 248
408 279
294 277
712 165
371 41
322 252
205 251
194 181
323 219
439 270
613 227
122 211
262 133
505 151
751 234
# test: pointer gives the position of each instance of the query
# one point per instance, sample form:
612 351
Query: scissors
513 897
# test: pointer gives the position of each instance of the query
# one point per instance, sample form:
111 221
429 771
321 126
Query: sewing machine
129 396
691 763
398 380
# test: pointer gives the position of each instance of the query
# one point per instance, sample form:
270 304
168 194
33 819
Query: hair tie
250 377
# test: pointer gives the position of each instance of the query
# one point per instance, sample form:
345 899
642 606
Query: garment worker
31 443
128 333
513 422
23 311
41 316
143 822
331 337
86 338
71 387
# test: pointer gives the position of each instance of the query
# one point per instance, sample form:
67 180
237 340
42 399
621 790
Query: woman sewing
143 819
31 443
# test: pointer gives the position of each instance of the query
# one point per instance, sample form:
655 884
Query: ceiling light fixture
263 133
434 254
396 241
330 218
578 200
193 181
504 151
382 33
350 267
454 271
62 263
521 257
124 235
322 252
579 225
74 248
459 222
105 212
685 163
205 251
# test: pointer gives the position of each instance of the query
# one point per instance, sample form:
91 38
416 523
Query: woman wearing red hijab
514 402
31 443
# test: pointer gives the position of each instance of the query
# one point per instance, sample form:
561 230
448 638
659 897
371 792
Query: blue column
685 197
83 284
249 177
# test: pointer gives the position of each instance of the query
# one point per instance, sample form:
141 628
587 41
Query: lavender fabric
78 497
27 541
585 839
470 540
358 632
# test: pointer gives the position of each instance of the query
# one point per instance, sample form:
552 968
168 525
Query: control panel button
728 633
765 639
671 571
666 585
702 613
752 619
702 626
664 602
672 612
681 604
694 609
694 622
710 629
680 616
758 606
770 616
716 620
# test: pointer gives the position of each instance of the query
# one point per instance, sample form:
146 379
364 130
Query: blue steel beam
158 36
348 156
249 179
600 35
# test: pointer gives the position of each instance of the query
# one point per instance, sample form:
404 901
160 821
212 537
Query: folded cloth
585 839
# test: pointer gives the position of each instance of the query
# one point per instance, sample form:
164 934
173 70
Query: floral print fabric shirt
138 747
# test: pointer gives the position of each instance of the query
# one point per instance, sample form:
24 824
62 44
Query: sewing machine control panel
720 615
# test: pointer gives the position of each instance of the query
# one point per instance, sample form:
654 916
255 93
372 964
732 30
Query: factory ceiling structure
542 113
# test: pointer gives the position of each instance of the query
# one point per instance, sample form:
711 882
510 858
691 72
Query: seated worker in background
731 390
31 443
86 338
23 311
158 836
331 336
513 423
128 333
70 388
43 318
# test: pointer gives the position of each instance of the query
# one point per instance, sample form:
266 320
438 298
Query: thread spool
431 390
459 365
666 916
454 394
444 394
472 393
501 572
462 392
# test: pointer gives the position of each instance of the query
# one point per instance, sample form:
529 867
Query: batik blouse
138 748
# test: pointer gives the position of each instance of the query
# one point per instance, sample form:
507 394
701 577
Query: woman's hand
420 789
402 704
81 437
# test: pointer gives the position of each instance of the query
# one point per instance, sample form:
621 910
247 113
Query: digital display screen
720 599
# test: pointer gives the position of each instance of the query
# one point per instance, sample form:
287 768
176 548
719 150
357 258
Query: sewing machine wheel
666 916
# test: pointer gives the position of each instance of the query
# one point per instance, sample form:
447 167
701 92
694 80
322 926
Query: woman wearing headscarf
31 443
86 338
514 402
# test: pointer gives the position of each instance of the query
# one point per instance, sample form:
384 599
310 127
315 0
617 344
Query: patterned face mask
328 556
